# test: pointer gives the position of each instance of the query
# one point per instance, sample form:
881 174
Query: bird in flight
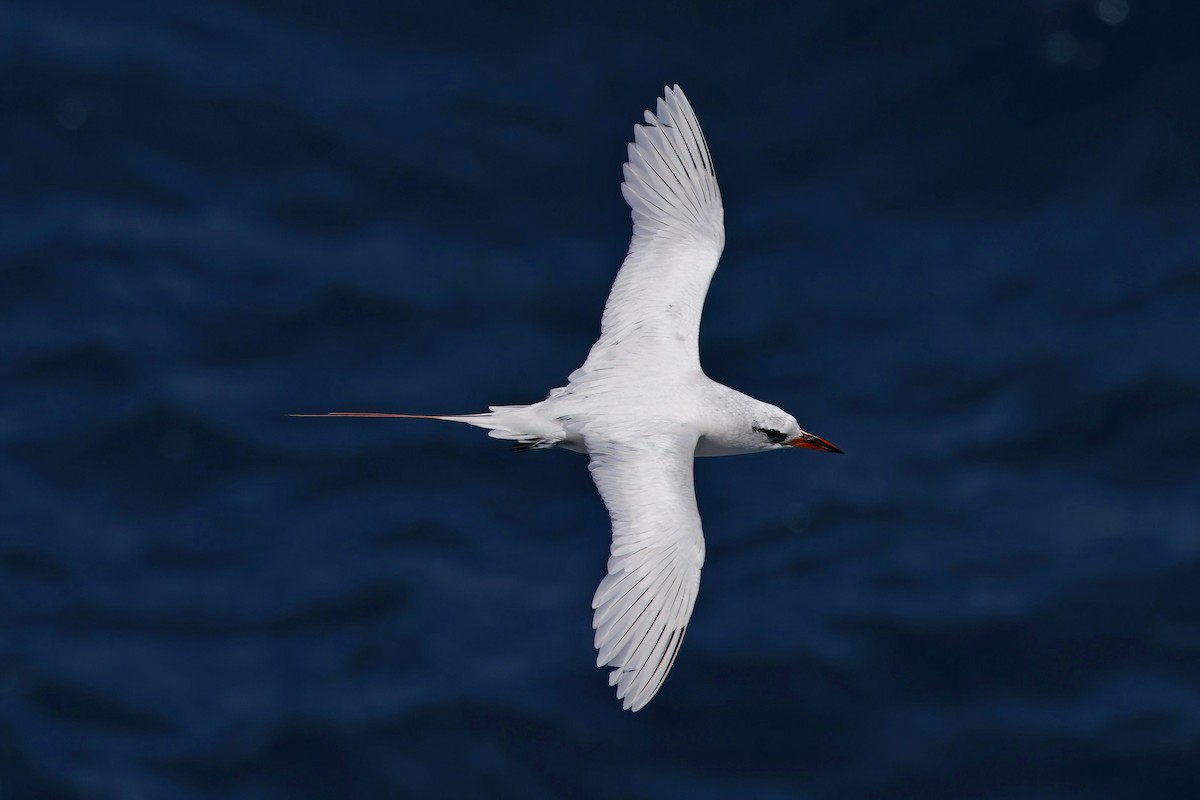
642 408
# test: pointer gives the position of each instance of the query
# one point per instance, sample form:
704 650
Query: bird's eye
774 437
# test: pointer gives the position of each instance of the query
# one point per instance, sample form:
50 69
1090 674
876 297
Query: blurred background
962 244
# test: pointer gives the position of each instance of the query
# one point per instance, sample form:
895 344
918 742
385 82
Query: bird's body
687 400
642 408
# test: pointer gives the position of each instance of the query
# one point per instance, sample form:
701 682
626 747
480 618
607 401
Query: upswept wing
653 311
643 606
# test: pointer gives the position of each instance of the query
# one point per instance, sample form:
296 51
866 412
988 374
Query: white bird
642 407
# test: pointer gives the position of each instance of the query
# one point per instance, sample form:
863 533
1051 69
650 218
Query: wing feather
643 605
652 316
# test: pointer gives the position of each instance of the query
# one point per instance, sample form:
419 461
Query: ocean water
963 244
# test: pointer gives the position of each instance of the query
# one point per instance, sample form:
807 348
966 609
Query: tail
389 415
498 421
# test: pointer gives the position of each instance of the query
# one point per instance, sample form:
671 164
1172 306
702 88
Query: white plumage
643 605
643 409
653 311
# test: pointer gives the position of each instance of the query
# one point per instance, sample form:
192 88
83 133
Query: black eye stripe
775 437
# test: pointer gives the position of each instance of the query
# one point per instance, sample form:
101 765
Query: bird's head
777 429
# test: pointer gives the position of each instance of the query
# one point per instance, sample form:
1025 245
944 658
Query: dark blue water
963 244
